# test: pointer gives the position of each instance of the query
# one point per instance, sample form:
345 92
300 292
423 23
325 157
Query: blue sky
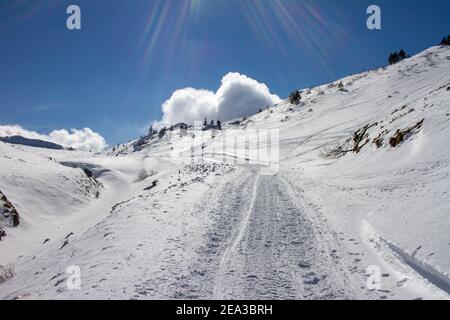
131 55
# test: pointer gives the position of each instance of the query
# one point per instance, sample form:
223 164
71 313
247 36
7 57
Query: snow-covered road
259 244
275 253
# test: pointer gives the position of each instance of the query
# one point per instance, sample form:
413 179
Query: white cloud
84 139
16 130
188 105
237 96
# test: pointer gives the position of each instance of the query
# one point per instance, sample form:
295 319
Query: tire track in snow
189 272
276 253
219 285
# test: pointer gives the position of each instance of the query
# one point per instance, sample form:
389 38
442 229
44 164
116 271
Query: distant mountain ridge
31 142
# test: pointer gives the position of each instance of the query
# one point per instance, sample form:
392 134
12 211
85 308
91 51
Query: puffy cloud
188 105
240 96
237 96
84 139
16 130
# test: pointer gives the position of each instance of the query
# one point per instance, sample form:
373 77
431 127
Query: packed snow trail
230 249
257 243
275 254
191 272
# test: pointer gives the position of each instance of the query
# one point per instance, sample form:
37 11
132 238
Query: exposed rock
404 134
8 214
88 173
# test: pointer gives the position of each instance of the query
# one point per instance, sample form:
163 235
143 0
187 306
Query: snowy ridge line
237 239
426 271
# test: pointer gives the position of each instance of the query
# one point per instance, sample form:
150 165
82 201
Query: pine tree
219 124
394 58
162 132
295 97
205 122
402 54
446 41
391 58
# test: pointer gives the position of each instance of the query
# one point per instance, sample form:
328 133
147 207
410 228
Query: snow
166 225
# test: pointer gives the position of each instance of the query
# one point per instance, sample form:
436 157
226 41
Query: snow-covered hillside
361 183
45 194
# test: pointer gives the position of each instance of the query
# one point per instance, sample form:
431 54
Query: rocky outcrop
9 217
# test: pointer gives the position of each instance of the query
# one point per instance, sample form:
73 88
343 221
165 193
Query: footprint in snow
416 251
304 265
402 282
59 282
312 281
66 242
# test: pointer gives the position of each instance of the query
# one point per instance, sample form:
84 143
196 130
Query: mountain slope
361 186
44 192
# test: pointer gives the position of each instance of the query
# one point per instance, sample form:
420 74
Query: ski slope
361 184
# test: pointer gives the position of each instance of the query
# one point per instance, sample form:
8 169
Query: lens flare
168 19
284 27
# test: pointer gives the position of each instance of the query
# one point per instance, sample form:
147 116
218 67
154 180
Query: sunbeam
282 27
